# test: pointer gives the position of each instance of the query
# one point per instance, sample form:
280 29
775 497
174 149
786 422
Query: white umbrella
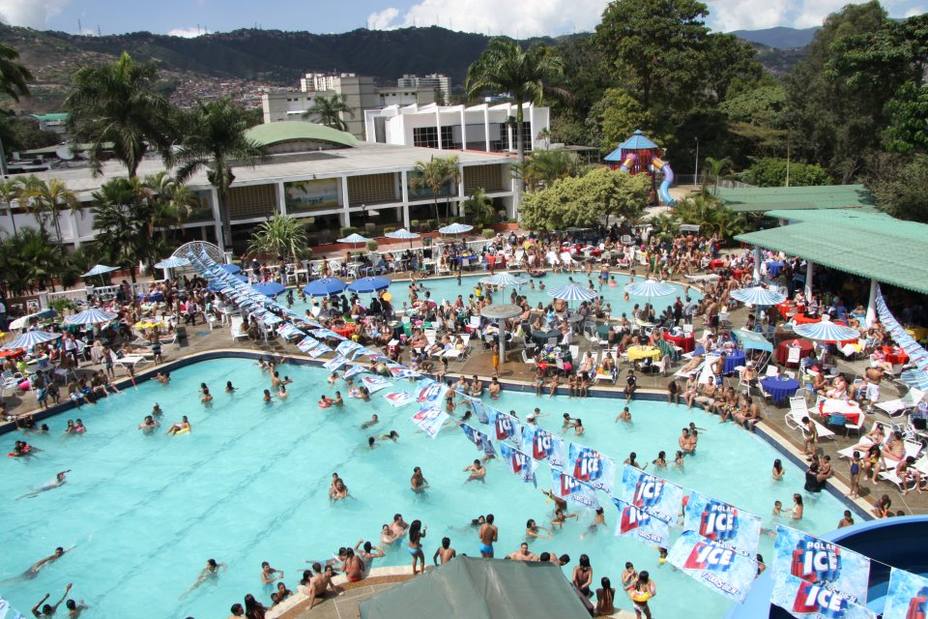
172 263
504 280
30 338
354 239
91 316
826 331
758 295
649 288
99 269
402 234
23 321
456 228
573 292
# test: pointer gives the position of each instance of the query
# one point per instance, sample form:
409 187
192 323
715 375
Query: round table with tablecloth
834 406
802 319
686 342
787 308
782 354
895 355
732 360
780 389
774 267
346 330
716 263
637 353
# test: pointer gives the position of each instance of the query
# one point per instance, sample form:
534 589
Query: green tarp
472 588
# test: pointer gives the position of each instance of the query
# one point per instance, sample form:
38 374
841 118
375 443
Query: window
428 137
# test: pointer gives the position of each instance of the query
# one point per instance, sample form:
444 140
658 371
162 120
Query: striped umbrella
173 262
758 295
826 331
504 280
354 239
30 338
573 292
456 228
916 379
99 269
402 234
91 316
649 288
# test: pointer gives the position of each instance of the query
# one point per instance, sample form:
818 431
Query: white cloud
726 15
31 13
915 10
186 33
383 20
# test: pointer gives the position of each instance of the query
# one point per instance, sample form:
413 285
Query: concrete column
281 198
438 128
460 209
217 217
509 144
463 129
404 193
810 274
871 304
756 264
531 125
486 126
346 216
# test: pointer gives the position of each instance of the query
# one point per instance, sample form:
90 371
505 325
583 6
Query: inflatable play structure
639 155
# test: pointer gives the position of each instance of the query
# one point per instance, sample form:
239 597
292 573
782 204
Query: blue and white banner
399 371
653 494
814 560
334 363
326 334
543 445
591 467
907 597
809 600
430 420
723 523
636 521
307 344
398 398
8 612
318 351
519 463
431 392
566 487
716 566
347 347
479 410
354 370
505 426
375 383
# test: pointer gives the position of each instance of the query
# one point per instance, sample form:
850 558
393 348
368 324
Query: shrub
426 241
489 233
346 231
388 229
372 245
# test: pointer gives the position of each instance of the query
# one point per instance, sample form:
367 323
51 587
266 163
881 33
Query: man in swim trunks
48 610
36 567
445 552
417 482
477 471
372 421
522 554
59 481
488 534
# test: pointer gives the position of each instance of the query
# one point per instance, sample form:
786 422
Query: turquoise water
448 288
250 483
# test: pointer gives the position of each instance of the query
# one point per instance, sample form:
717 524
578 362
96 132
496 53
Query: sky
518 18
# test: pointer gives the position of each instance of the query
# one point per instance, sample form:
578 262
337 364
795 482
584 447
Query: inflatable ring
182 431
324 405
641 596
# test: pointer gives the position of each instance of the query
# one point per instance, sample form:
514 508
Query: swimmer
777 508
156 410
599 519
338 401
678 460
445 552
417 482
270 574
477 472
149 425
661 461
560 517
488 534
558 501
55 483
374 420
333 377
568 421
184 425
371 442
163 377
578 427
210 572
632 459
325 401
387 536
49 610
399 526
532 530
229 387
392 435
522 554
41 564
267 396
79 427
207 397
625 415
282 391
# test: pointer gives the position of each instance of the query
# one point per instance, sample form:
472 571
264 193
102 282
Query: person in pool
59 481
477 471
156 410
370 422
625 415
49 610
325 401
267 396
392 435
282 391
207 397
414 545
149 425
41 564
209 572
178 427
270 574
418 482
229 387
488 534
338 400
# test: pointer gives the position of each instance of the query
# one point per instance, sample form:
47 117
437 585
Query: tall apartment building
433 81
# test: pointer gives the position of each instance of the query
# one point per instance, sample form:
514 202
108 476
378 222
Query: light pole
696 169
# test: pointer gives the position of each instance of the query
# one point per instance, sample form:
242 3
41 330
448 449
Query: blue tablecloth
780 388
774 267
733 360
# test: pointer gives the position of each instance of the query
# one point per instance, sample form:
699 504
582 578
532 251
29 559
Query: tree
29 261
543 167
118 107
900 186
438 175
14 76
280 235
770 172
526 75
10 190
122 212
47 198
214 138
478 208
715 168
615 117
329 111
23 133
908 120
705 211
172 202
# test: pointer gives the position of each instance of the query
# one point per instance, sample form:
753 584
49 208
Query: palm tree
329 111
118 107
11 189
717 167
47 199
122 212
13 75
281 235
480 209
543 167
172 202
28 260
434 175
214 138
504 66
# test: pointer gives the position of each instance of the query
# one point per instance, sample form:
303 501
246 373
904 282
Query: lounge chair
129 362
235 328
799 409
899 406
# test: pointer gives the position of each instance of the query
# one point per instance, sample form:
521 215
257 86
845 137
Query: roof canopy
637 141
761 199
865 243
268 134
472 588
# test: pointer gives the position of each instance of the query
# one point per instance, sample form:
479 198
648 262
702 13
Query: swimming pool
448 288
250 482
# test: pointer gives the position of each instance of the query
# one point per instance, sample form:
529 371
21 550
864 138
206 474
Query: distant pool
250 482
448 288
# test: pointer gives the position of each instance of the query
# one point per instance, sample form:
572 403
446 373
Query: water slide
663 190
629 161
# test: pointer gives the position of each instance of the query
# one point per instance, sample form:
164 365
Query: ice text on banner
907 597
566 487
519 463
653 494
810 600
591 467
636 521
808 558
716 566
430 420
723 523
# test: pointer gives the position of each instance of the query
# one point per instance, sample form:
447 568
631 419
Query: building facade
434 81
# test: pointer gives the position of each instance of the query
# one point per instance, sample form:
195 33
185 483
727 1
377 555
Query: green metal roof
760 199
865 243
53 117
287 130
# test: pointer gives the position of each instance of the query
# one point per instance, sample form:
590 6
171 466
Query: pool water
250 483
448 288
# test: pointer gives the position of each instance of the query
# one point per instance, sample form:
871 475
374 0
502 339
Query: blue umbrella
573 292
91 316
456 229
758 295
324 287
916 379
231 268
270 289
402 234
99 269
369 284
826 331
649 288
30 338
172 263
217 285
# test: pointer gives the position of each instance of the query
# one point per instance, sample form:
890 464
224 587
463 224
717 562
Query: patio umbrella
30 338
172 263
23 321
916 379
456 229
649 288
91 316
270 289
758 295
573 292
504 280
369 284
354 239
324 287
99 269
826 331
231 268
403 235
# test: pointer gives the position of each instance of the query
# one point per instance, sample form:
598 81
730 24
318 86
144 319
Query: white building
434 81
481 127
405 96
278 105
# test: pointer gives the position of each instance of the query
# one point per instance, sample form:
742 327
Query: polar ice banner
519 463
430 392
635 521
591 467
814 560
479 439
809 600
480 410
504 426
716 566
430 420
722 522
542 445
651 493
907 597
566 487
